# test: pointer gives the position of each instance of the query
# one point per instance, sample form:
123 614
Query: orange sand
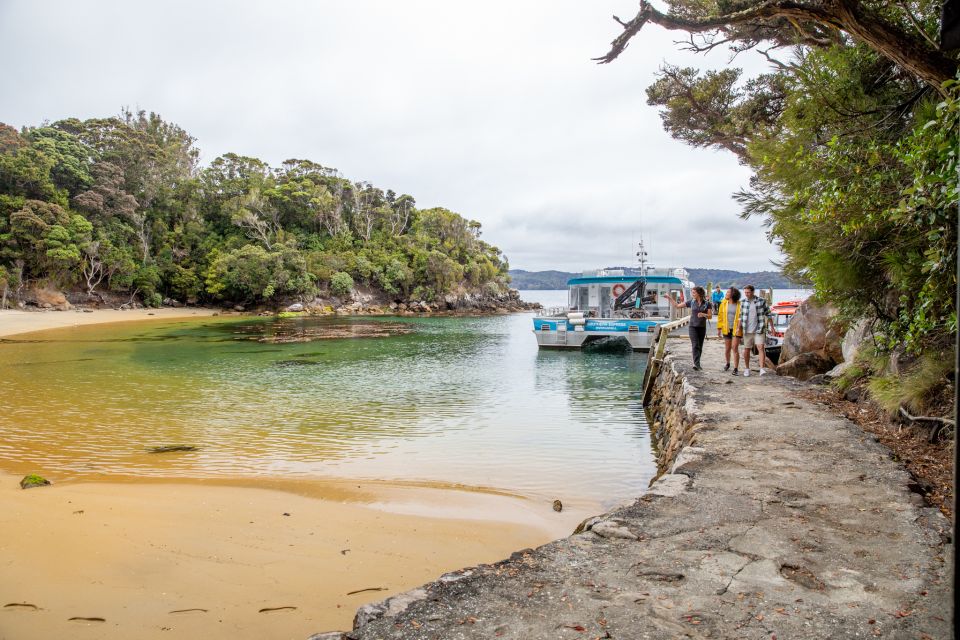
16 321
135 554
184 559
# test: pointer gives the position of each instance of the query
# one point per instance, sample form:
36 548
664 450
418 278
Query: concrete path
781 520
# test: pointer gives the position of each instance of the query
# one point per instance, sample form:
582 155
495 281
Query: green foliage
922 388
341 284
855 175
252 273
120 204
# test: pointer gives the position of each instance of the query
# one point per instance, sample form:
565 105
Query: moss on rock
33 480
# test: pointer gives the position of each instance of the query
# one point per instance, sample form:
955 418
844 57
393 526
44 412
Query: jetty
772 517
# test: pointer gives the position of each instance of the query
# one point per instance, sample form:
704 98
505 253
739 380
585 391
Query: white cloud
494 110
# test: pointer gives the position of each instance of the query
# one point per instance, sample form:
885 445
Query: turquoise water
454 400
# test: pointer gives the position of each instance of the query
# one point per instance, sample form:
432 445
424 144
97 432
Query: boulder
813 328
295 307
900 361
860 331
46 298
805 366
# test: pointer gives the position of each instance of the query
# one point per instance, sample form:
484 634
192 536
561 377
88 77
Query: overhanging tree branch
848 16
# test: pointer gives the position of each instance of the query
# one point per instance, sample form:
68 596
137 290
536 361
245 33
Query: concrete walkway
781 520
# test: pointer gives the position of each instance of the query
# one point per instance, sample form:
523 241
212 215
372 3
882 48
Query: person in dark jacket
700 312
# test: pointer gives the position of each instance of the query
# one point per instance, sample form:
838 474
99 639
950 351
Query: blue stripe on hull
605 326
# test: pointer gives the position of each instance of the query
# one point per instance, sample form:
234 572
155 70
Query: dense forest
852 139
120 206
541 280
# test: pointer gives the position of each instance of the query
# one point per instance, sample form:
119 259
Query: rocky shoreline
360 301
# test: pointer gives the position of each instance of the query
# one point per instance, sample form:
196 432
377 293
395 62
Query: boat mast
642 257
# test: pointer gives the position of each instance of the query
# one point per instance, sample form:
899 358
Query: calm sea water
454 400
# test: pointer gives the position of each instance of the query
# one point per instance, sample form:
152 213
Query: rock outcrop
805 366
813 328
365 301
46 298
815 334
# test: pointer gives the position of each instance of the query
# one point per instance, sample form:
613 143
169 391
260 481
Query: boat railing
657 349
552 312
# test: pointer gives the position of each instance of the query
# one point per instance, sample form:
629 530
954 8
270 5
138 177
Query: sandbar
15 321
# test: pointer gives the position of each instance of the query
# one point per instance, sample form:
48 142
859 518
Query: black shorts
728 335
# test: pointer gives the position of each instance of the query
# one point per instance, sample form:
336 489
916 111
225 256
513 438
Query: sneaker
696 367
746 373
726 367
736 372
763 372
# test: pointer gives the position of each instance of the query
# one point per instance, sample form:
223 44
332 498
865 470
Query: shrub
341 284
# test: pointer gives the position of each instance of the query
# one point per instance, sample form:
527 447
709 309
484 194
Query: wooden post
654 362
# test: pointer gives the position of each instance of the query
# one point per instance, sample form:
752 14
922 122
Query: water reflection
466 400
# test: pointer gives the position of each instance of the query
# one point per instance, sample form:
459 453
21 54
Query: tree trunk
912 54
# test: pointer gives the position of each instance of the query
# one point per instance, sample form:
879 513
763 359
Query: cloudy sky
492 109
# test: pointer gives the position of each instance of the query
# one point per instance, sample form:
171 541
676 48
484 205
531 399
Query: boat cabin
595 295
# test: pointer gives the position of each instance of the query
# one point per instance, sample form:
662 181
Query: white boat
610 304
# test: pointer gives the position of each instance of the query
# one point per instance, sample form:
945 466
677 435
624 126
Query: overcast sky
492 109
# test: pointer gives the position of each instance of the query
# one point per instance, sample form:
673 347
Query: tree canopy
852 138
121 205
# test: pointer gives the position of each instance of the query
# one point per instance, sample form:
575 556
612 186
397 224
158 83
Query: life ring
618 289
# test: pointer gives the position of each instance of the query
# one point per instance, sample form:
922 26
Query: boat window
782 319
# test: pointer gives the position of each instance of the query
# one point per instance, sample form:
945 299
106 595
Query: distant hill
539 280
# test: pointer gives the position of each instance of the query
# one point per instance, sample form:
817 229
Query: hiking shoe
726 367
696 367
763 372
735 372
746 373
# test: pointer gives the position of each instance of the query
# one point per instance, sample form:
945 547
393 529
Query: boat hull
560 333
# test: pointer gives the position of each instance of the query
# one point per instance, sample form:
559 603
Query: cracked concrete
773 518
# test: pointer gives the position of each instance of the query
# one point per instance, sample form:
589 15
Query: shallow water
452 400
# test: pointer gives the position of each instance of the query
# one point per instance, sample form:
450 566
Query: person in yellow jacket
728 327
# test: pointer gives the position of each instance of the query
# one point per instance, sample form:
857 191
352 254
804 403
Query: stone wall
672 413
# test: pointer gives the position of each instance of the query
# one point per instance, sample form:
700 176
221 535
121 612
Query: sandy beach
14 321
124 557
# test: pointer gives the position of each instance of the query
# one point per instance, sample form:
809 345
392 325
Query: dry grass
921 390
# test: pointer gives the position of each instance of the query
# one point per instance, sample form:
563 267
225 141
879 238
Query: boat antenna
642 257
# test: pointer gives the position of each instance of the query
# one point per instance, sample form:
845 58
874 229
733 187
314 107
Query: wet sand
180 558
15 321
186 560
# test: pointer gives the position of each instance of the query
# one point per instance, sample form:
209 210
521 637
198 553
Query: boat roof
623 279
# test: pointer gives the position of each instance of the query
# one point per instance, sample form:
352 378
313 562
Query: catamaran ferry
607 304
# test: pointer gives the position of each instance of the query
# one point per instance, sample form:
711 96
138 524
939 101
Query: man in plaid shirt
754 317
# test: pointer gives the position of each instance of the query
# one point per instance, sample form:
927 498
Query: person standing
728 327
717 297
700 313
754 317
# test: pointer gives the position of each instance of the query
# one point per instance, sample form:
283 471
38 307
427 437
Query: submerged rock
172 447
33 480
